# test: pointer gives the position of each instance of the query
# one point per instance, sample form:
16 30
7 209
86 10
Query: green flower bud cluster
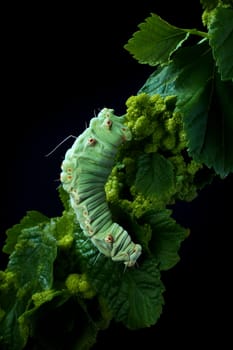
66 241
185 187
142 114
40 298
6 280
77 284
140 204
7 285
152 118
137 207
114 184
209 7
156 128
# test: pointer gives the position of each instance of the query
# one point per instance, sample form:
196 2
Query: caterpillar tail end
137 251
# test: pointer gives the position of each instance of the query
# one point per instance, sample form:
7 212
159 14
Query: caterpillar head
110 128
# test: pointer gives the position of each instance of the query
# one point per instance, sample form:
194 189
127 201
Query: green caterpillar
85 170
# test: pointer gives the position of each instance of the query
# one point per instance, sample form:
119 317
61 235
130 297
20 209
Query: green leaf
186 76
203 100
167 236
31 219
11 338
139 299
156 40
28 321
217 148
64 197
209 4
64 225
73 327
32 259
154 177
32 265
221 40
47 311
124 290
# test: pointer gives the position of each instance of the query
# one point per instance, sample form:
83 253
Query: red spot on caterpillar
108 123
91 141
109 239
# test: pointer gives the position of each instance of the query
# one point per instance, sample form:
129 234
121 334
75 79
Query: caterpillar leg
123 249
129 258
137 250
103 244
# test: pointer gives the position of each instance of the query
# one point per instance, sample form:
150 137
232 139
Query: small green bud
66 241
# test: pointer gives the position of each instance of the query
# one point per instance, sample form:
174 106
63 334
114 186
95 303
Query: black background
62 63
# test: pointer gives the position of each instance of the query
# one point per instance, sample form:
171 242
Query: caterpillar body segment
84 173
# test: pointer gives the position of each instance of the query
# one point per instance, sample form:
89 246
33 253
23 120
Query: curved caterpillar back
85 170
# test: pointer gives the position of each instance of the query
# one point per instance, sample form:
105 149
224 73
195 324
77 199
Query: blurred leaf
217 147
221 40
11 337
208 4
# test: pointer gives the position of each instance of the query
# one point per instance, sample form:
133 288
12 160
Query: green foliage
167 236
124 290
79 284
33 217
154 176
156 41
31 265
220 26
157 170
204 102
202 97
182 124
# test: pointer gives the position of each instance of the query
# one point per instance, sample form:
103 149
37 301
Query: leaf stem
197 32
